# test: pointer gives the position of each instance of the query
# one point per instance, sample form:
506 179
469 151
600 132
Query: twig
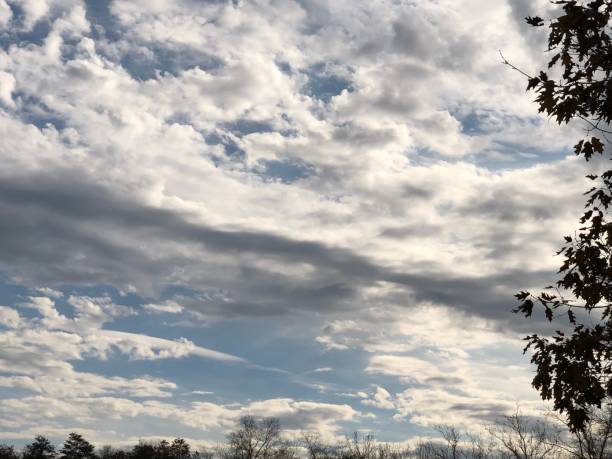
522 72
505 61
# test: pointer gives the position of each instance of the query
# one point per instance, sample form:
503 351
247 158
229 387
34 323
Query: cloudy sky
298 208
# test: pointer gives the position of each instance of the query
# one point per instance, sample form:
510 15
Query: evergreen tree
76 447
40 448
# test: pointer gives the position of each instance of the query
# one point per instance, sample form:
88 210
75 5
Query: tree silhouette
594 440
76 447
573 369
144 450
8 452
254 439
40 448
162 451
108 452
518 436
179 449
527 438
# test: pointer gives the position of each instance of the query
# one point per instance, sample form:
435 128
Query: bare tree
317 448
527 438
108 452
594 439
387 451
479 448
255 439
428 450
452 438
360 447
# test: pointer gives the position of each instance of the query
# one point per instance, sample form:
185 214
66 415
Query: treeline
513 437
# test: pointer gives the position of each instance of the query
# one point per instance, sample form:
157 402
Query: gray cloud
304 162
65 229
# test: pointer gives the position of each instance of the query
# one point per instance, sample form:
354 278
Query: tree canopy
574 368
40 448
76 447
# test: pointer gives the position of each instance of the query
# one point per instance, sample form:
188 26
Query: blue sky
312 210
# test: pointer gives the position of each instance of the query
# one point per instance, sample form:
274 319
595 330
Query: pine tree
76 447
40 448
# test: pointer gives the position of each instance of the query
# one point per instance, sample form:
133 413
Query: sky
317 211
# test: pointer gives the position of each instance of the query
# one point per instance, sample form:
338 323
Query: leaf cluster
573 369
579 40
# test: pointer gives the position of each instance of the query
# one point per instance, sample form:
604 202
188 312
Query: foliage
8 452
40 448
574 369
76 447
108 452
179 449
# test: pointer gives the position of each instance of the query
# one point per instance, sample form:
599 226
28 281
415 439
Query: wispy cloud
334 200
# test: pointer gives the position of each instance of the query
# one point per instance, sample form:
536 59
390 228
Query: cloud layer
353 178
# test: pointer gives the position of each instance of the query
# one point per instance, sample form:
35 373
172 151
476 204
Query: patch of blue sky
285 170
485 121
285 67
11 291
148 426
265 342
259 341
35 112
421 156
69 49
500 156
244 127
472 124
228 382
36 36
504 155
514 155
323 83
184 119
231 149
229 135
17 33
147 64
14 392
104 24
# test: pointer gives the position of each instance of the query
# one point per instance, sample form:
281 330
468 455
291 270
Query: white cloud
370 165
5 13
7 86
34 10
380 399
139 346
9 317
168 307
51 293
451 366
